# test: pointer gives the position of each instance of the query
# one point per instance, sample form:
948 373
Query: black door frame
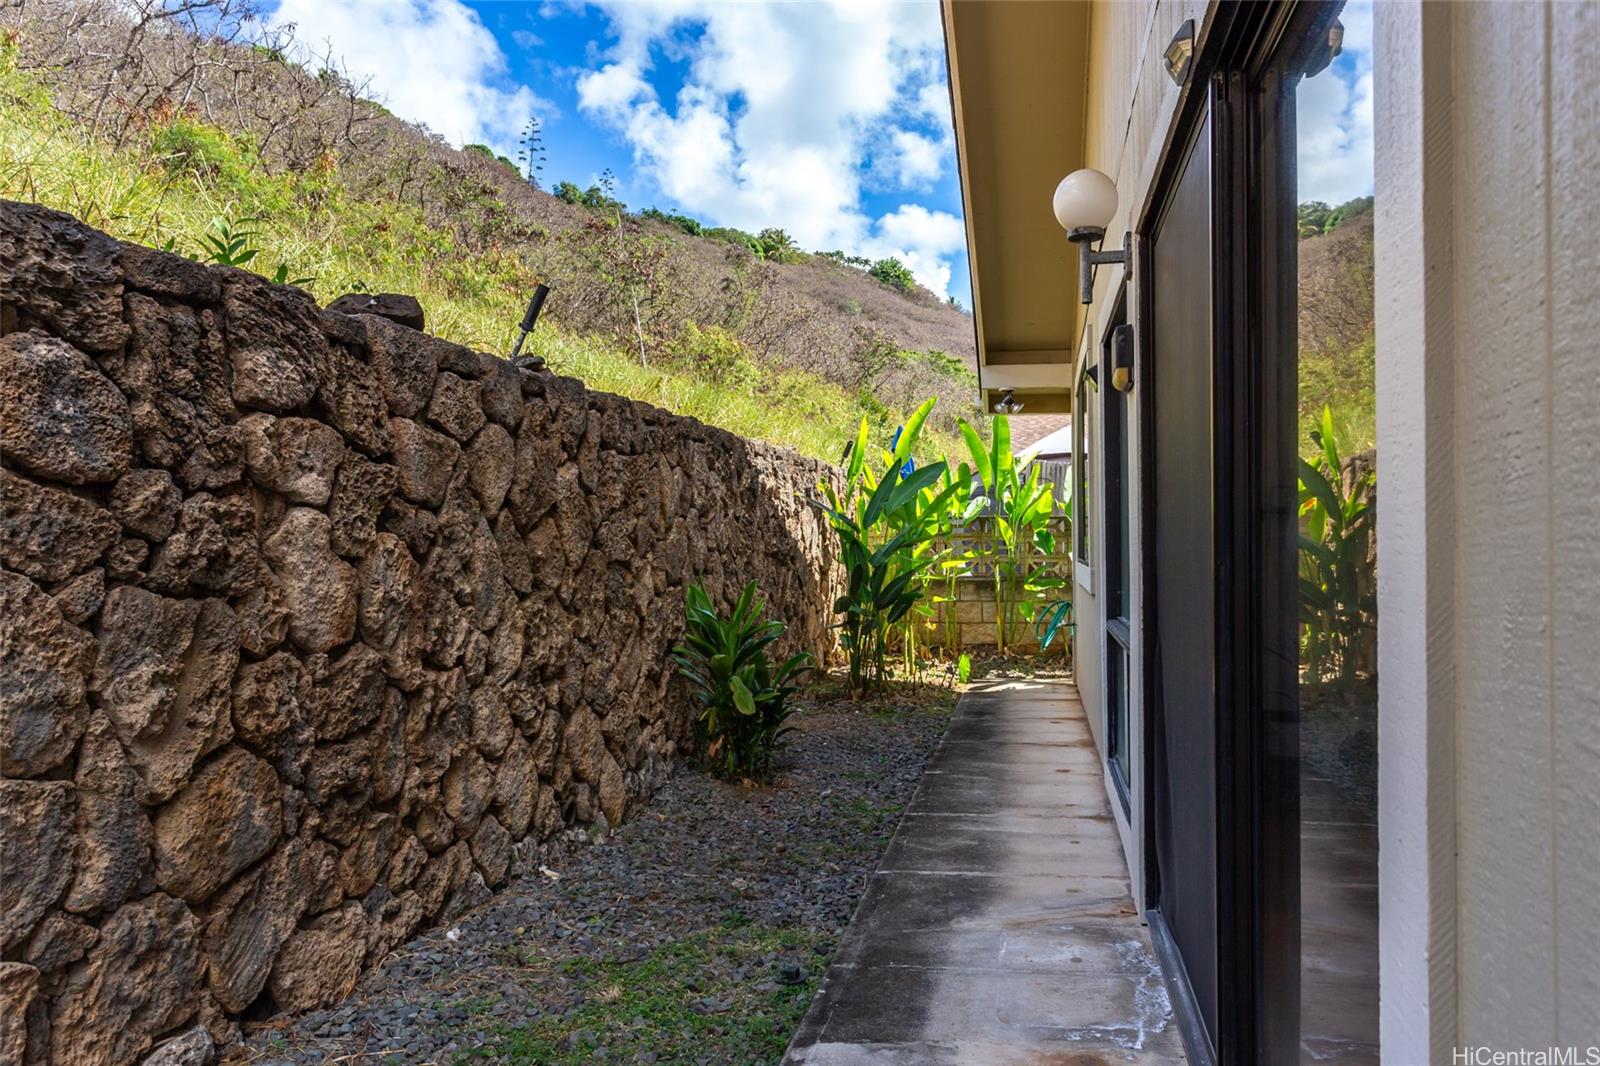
1115 531
1237 78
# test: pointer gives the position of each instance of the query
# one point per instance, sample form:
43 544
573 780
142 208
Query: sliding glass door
1182 634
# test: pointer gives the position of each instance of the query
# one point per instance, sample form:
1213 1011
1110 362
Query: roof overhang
1018 85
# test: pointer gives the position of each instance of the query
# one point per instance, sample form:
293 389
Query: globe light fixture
1084 204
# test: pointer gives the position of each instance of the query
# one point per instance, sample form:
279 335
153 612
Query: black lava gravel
696 932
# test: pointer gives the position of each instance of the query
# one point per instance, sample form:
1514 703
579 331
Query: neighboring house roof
1054 430
1057 445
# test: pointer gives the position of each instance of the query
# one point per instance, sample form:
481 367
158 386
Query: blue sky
1334 124
830 120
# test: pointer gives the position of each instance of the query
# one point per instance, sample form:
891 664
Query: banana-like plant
744 700
882 520
1337 602
1022 510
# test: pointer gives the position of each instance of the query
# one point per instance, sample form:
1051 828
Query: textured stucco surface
1489 547
312 626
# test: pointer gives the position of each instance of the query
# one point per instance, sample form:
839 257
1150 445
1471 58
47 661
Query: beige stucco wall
1488 167
1488 156
1131 103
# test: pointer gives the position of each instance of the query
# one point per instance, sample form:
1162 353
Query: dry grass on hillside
201 88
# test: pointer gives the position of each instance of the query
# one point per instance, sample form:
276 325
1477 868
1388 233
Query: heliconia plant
898 525
743 698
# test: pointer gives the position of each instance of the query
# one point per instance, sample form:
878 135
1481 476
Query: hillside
185 126
1337 331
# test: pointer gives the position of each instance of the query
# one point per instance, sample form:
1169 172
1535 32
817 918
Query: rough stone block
49 534
59 275
60 417
44 670
225 819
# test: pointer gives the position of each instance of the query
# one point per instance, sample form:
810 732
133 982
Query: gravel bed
696 932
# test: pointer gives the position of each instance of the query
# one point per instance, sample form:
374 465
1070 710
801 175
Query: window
1117 577
1082 476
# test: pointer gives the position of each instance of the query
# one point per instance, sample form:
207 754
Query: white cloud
923 240
1334 119
429 61
783 110
915 160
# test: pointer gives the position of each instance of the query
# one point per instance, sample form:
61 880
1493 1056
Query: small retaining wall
309 624
971 615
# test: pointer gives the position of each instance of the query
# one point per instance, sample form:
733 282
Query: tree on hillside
1315 217
778 246
894 273
691 226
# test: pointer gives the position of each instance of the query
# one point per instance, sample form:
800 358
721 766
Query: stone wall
310 626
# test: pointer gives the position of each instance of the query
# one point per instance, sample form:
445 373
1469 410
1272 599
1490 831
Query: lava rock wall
310 626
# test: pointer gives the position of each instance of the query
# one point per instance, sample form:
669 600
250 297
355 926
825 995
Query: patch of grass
673 1002
865 816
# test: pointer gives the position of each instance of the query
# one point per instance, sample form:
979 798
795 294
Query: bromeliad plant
1022 509
884 520
1337 601
744 699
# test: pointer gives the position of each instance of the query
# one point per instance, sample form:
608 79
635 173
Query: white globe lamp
1085 200
1084 203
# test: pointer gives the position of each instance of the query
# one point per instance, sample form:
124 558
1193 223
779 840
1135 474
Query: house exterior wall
1487 166
1131 104
1489 539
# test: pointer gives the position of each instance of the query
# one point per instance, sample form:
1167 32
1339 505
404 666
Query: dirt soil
697 932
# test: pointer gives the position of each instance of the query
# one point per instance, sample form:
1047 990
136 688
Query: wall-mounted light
1180 52
1122 358
1008 404
1084 203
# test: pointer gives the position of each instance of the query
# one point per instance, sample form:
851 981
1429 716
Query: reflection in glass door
1336 471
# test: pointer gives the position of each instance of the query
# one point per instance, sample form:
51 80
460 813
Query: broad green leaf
980 454
742 697
912 429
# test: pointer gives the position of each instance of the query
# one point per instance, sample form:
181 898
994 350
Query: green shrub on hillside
1315 217
893 273
193 149
691 226
595 197
848 260
779 247
714 352
729 235
485 150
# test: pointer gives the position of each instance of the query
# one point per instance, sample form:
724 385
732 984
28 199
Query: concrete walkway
998 929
